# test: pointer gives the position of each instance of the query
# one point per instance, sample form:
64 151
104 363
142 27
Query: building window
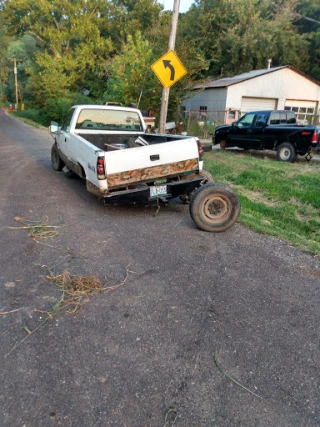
203 108
304 115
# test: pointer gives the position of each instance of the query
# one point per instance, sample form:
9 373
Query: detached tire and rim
214 207
57 163
286 152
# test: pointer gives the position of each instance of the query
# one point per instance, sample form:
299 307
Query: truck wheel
207 177
286 152
57 163
214 207
223 145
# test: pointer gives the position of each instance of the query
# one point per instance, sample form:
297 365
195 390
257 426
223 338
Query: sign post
168 68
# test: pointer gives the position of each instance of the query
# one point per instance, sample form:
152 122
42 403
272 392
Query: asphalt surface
144 354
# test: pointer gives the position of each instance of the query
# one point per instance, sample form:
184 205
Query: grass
37 229
277 198
77 288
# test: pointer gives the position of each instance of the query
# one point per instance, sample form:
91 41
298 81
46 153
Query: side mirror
234 124
54 127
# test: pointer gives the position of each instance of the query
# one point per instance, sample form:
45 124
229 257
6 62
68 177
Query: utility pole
171 46
15 80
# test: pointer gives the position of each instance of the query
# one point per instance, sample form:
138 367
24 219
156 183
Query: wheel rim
216 209
285 153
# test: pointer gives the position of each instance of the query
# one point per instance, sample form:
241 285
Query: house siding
281 85
213 99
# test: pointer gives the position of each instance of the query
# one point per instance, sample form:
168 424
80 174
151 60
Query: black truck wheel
214 207
223 144
57 163
206 175
286 152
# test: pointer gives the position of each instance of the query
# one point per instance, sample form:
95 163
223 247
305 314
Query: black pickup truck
270 130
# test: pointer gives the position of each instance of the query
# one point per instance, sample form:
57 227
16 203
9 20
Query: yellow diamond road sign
169 69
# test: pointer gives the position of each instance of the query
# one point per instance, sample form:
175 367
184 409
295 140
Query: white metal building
268 89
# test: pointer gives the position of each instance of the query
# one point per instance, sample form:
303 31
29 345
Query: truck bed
105 141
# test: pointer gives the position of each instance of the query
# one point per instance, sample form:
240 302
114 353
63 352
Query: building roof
229 81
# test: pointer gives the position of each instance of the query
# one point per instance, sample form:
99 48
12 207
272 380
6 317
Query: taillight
100 168
314 139
200 149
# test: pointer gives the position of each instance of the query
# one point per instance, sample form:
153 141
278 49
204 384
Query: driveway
197 316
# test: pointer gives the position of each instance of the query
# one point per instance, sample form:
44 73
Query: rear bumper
142 194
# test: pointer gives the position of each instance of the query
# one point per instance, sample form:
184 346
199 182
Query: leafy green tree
130 78
4 65
24 50
72 47
240 35
308 22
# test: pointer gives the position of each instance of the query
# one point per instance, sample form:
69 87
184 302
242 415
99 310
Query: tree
240 35
69 34
308 24
4 66
130 77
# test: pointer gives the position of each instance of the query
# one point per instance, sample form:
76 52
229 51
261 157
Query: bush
53 109
36 116
194 128
57 109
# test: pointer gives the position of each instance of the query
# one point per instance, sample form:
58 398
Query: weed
75 288
217 363
37 229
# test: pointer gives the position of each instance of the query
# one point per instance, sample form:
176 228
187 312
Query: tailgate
151 162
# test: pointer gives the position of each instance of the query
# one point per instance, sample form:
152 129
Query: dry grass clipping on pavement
77 288
37 229
74 290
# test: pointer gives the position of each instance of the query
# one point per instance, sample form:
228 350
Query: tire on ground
70 174
286 152
57 163
207 176
214 207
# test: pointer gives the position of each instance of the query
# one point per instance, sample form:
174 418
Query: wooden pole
171 46
16 81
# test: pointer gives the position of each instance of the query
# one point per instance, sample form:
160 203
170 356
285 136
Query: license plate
159 190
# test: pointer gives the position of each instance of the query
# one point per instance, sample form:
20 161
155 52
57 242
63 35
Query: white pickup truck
108 147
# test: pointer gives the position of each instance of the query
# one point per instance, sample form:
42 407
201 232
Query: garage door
257 104
305 110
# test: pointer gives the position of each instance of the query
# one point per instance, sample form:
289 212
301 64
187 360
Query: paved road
146 350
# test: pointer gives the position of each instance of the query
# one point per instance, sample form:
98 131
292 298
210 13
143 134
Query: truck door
241 132
256 135
64 134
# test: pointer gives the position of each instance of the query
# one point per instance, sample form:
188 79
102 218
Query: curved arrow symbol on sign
167 64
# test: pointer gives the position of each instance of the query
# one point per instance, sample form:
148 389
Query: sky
184 5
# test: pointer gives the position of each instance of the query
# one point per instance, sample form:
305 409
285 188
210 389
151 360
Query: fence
202 122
